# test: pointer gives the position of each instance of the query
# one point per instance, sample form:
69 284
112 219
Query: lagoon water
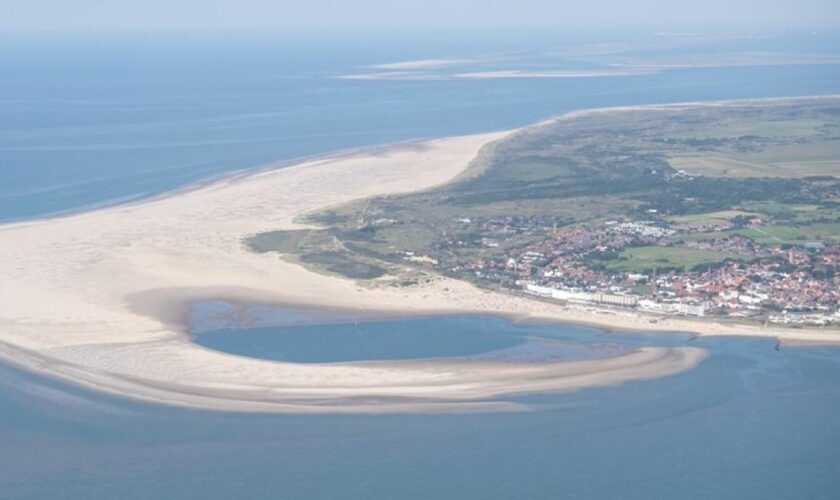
366 341
316 336
94 121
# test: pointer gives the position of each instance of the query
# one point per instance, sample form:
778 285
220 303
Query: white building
583 297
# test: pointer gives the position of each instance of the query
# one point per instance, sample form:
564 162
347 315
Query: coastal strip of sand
98 298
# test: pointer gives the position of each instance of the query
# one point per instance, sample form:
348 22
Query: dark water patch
364 341
313 336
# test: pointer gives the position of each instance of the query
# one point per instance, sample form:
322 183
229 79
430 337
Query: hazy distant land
596 61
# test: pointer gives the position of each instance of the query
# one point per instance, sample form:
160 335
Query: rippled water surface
750 422
86 122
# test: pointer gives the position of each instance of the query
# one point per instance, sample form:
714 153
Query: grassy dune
695 164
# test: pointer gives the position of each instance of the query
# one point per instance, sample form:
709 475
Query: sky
174 15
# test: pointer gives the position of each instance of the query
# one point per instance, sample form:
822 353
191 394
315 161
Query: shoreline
593 316
337 154
99 298
222 177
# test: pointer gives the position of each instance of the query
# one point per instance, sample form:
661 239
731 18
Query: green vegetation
638 259
321 250
783 129
792 234
277 241
783 143
775 162
721 215
802 214
342 263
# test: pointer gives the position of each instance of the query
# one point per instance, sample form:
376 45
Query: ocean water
90 121
86 122
750 422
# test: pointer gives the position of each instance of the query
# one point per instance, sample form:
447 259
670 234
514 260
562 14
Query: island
641 218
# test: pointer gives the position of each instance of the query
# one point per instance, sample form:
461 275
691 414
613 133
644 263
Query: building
686 309
585 297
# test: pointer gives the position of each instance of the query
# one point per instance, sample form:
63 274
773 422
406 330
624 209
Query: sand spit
98 298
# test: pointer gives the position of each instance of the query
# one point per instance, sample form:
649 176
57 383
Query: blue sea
751 422
91 121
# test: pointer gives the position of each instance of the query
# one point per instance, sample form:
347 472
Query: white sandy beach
98 298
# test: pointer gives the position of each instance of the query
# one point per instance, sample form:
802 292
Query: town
677 213
695 269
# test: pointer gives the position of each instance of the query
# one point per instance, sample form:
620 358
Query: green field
733 128
802 214
720 215
783 234
778 213
641 259
756 166
792 234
